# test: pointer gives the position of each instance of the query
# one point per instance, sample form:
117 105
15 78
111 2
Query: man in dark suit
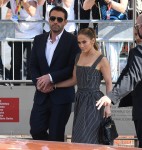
128 89
52 61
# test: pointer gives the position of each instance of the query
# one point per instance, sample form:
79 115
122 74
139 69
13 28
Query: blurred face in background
137 38
138 30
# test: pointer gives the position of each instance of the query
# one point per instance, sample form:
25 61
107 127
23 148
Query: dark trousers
16 58
48 121
138 127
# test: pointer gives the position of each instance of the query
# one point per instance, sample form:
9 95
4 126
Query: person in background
89 69
68 5
22 10
82 14
6 75
9 12
111 10
1 69
3 76
52 60
138 7
128 89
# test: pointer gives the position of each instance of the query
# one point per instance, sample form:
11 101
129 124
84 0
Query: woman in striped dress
89 69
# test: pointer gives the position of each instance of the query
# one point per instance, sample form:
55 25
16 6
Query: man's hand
104 101
48 89
42 82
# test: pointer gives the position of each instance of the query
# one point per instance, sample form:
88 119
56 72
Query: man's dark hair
61 9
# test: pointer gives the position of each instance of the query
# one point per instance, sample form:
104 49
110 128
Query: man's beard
56 29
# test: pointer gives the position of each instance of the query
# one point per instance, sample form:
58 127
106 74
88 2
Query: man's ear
66 21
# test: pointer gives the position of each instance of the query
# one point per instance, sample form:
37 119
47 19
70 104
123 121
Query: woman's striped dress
86 116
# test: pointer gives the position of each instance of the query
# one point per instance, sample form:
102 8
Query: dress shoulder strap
97 61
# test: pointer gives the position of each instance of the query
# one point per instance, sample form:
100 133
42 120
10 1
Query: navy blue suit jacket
61 67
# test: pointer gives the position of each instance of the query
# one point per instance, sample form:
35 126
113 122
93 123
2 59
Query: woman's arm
41 2
67 3
30 7
2 2
67 83
106 71
120 7
88 4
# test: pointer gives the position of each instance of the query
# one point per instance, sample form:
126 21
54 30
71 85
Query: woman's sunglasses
59 19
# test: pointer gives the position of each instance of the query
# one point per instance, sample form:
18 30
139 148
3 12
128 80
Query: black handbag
107 132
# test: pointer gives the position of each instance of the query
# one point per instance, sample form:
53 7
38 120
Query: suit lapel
43 49
59 47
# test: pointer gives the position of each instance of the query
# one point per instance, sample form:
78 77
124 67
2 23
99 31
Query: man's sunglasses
59 19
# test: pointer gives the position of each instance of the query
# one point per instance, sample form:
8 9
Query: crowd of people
77 9
58 60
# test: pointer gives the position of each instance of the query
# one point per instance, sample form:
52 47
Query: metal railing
100 40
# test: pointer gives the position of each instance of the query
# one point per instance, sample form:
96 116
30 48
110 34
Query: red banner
9 109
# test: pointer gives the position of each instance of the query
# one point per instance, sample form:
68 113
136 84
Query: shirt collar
57 37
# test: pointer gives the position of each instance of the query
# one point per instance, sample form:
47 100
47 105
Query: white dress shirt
50 48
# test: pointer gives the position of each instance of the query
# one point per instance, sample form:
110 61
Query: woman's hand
104 101
107 111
